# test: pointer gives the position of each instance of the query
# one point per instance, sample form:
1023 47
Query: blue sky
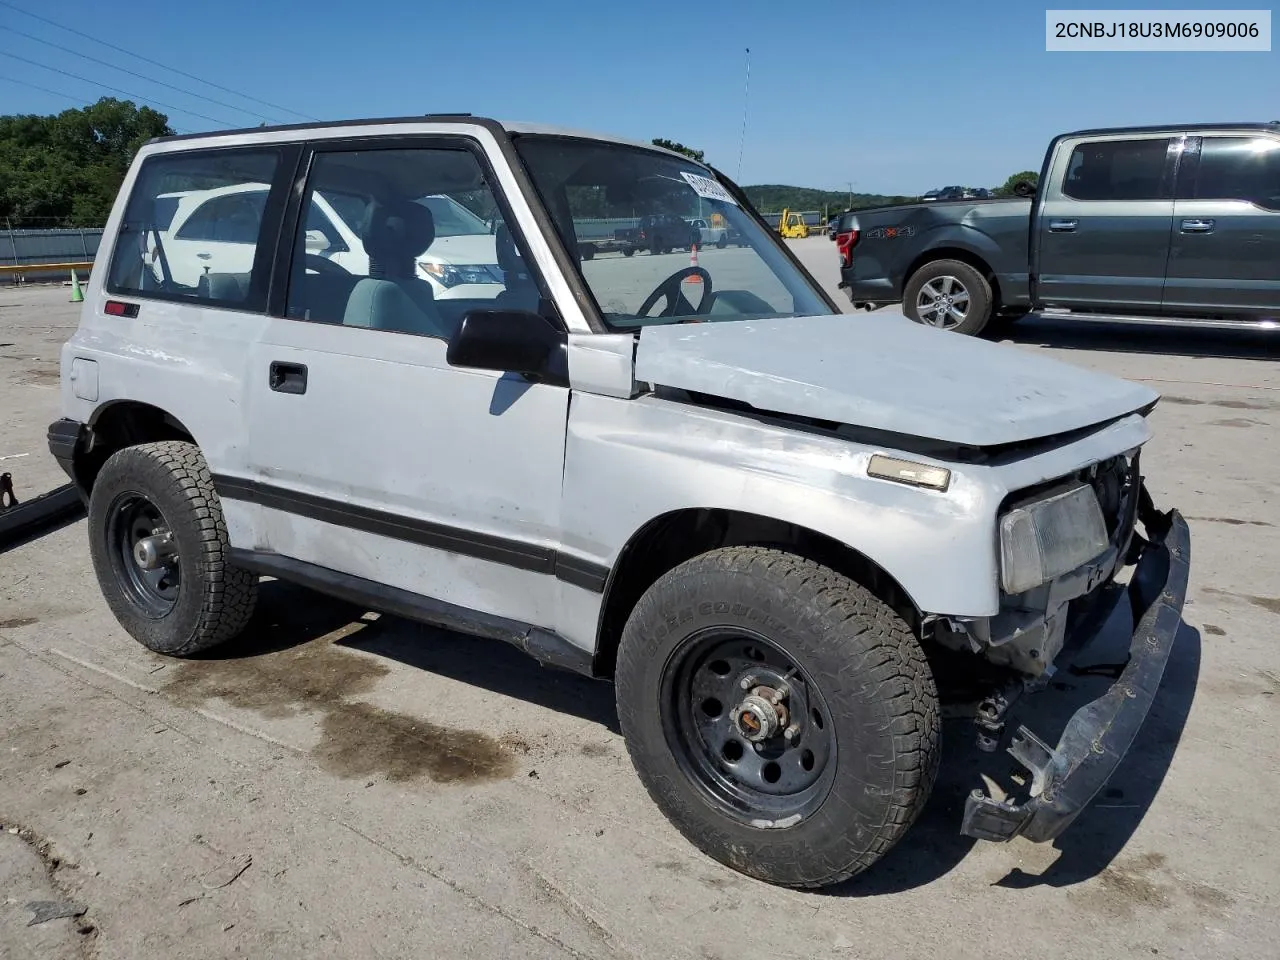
895 97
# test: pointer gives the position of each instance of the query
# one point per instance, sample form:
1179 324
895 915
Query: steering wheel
324 265
670 288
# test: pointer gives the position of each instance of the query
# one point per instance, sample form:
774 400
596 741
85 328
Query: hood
884 372
464 249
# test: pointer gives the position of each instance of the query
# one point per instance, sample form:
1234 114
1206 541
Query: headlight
1045 539
452 274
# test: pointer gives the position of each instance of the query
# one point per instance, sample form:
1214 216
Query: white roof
392 125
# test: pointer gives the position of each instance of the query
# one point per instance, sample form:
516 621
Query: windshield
631 214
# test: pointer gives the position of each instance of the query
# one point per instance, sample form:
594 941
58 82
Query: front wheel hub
759 717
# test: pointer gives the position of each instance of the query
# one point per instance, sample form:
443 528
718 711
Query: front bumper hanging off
1065 778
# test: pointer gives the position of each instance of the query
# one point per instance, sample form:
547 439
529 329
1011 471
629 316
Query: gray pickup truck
1170 225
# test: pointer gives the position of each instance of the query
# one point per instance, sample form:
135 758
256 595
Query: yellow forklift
792 226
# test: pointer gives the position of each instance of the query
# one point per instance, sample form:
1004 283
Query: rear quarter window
198 227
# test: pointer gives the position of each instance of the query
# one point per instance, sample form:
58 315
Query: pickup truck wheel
629 251
159 547
722 242
781 716
950 295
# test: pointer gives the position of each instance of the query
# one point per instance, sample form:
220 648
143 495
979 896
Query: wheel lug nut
747 683
791 732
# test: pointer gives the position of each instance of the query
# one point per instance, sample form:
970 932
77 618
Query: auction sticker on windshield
707 188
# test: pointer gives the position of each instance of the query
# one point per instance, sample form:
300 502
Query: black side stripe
482 546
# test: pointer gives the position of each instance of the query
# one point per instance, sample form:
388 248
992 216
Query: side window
1118 170
193 227
1239 168
423 243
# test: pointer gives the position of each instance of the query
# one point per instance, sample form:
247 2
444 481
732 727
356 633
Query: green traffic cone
77 295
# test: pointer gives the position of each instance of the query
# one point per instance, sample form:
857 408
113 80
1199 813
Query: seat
521 291
393 297
231 287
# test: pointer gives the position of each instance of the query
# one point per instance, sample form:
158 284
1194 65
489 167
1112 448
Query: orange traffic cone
693 262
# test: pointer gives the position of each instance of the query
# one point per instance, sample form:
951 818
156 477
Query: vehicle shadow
933 846
289 616
1064 334
491 665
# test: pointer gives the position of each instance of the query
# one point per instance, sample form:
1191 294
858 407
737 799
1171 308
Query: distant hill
774 197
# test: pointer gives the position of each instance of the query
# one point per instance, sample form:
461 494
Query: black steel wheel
782 717
160 550
747 725
142 553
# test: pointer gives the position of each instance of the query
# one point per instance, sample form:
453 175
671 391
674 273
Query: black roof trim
1270 125
329 124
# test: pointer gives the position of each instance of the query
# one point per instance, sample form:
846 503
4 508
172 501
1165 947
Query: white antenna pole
743 139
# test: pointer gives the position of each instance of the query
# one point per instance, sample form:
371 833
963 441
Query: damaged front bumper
1065 778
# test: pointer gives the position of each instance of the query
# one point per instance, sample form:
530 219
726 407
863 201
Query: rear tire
939 291
162 493
629 252
861 701
722 242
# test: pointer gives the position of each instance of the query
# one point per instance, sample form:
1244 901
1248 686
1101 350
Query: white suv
779 529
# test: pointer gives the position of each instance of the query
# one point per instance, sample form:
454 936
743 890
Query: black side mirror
513 341
1024 188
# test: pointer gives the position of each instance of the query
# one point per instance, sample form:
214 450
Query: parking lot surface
342 784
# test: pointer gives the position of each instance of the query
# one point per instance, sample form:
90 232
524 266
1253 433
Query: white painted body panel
387 424
630 461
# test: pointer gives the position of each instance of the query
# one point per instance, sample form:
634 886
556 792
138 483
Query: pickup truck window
582 180
1118 170
1239 168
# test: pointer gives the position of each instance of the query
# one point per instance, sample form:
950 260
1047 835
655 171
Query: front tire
824 786
722 242
160 550
950 295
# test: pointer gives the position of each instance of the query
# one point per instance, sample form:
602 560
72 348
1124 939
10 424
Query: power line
134 73
57 93
96 83
156 63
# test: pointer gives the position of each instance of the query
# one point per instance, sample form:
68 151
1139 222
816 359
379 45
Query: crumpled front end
1035 619
1066 777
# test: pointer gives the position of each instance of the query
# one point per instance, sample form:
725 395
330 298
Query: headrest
396 232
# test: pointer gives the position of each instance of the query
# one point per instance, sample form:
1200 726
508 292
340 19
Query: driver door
368 453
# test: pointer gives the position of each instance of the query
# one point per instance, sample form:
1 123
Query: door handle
1198 226
1063 226
288 377
205 256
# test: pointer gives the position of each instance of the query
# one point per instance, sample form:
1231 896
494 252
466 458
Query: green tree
64 170
1026 176
775 197
689 152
